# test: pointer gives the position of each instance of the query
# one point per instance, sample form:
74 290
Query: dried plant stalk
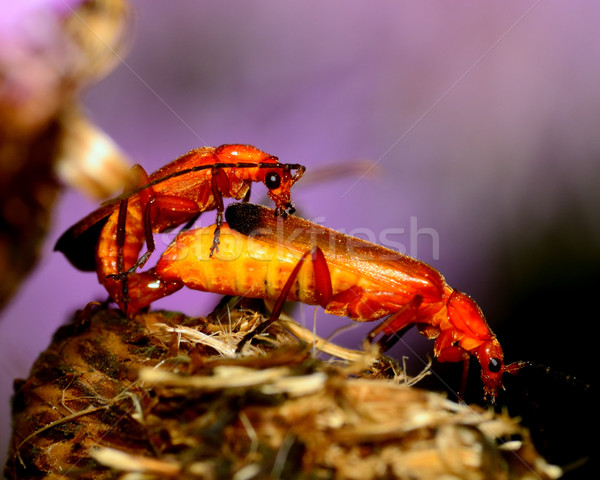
166 396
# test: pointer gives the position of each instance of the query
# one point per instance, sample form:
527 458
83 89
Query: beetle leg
451 353
122 218
388 341
215 245
220 208
445 350
150 246
153 215
126 240
153 205
169 203
146 196
139 178
122 274
394 326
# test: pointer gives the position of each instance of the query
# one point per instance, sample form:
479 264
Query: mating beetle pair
263 253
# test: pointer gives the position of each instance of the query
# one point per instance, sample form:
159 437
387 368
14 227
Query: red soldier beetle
110 239
265 258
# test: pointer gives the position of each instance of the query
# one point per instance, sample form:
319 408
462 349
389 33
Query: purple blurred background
482 120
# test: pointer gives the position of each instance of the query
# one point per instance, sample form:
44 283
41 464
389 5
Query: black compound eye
494 365
272 180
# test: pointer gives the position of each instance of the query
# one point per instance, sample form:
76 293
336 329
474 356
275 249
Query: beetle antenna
558 375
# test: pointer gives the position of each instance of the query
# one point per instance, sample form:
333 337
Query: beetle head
491 358
279 181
